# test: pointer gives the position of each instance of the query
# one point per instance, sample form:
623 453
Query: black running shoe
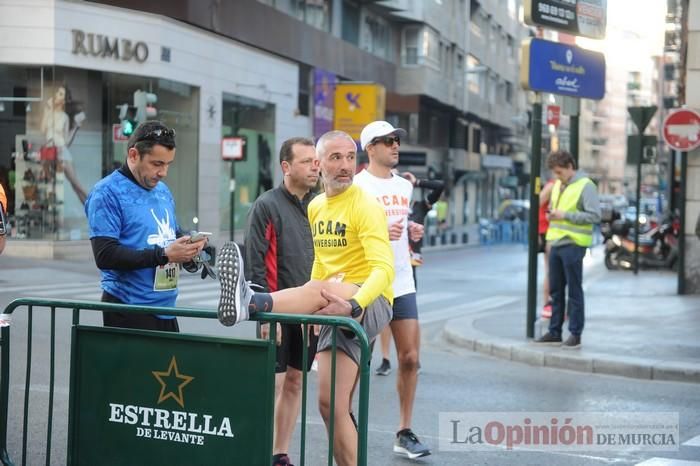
549 339
384 368
235 292
407 444
573 342
281 460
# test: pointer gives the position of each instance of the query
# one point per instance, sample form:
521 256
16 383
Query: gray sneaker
235 292
384 368
407 444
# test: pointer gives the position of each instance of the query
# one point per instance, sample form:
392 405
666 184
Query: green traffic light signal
128 127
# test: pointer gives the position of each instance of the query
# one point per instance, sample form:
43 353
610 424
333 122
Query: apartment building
256 69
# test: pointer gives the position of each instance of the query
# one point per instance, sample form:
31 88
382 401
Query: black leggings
135 320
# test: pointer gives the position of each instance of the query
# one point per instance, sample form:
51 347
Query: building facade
632 79
455 90
257 70
69 67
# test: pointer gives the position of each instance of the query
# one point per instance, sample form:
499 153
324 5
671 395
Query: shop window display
62 129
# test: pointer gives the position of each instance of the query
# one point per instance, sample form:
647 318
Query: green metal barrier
91 345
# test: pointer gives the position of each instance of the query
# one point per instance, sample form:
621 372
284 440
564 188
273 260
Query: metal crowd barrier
113 415
514 232
503 232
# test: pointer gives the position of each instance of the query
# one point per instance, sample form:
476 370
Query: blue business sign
562 69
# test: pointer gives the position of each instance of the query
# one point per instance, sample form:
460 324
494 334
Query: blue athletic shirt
138 218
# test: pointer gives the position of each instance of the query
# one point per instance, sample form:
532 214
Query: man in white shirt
381 141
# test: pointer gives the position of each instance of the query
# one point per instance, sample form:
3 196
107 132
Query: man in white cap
381 141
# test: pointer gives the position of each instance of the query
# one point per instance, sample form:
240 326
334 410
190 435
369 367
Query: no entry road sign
682 130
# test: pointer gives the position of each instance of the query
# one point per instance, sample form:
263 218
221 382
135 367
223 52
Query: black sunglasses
157 135
388 140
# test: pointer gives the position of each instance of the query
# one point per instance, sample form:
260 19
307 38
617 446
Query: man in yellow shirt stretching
352 274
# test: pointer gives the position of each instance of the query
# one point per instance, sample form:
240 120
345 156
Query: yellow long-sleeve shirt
351 243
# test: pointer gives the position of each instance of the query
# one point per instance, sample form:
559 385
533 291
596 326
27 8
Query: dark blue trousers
566 270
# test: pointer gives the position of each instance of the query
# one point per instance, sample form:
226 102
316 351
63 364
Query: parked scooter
658 246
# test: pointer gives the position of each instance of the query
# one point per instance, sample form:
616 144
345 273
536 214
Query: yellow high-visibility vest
581 234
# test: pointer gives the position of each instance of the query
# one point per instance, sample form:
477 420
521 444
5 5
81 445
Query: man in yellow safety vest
573 210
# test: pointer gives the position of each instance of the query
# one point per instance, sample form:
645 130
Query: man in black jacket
279 254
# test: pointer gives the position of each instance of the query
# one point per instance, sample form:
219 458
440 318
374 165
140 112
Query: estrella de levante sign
141 397
562 69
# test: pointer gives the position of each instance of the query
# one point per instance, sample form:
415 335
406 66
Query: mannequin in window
60 123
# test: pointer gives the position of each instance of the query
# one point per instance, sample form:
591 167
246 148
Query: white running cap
377 129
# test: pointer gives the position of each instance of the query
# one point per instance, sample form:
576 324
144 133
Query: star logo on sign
171 383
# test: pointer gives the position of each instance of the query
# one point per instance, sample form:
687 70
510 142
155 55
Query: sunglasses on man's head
388 140
157 135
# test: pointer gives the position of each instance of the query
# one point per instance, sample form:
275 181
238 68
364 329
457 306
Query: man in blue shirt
134 232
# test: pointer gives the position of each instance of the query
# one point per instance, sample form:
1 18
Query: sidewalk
636 326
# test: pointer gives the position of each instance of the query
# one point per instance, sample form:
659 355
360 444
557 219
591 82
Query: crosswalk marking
190 292
65 291
195 292
693 442
424 299
667 462
29 289
469 308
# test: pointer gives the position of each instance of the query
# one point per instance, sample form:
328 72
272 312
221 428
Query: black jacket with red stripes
279 249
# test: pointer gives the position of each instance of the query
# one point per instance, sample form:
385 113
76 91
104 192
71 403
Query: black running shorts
289 352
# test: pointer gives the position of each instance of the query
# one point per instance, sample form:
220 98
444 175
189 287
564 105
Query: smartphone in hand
199 236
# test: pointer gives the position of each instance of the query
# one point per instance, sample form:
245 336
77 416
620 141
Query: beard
337 185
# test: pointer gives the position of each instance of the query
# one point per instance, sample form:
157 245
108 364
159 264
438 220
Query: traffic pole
672 182
681 234
573 132
232 182
535 187
232 200
641 116
637 204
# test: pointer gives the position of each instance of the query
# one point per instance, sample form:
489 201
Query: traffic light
142 110
128 119
143 101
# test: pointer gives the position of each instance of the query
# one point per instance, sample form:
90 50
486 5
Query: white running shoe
235 292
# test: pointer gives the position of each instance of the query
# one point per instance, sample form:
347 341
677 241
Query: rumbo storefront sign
98 45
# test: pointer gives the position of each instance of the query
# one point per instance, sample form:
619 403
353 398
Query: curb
594 363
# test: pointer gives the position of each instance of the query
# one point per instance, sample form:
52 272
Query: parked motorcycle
658 245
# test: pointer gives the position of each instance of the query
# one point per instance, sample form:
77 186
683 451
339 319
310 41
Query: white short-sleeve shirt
394 194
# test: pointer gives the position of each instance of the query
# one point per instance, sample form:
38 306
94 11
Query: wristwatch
356 308
161 257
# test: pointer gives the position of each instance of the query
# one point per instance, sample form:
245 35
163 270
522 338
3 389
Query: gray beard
337 185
